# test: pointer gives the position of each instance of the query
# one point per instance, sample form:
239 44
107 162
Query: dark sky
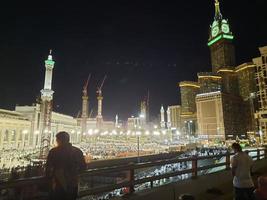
140 45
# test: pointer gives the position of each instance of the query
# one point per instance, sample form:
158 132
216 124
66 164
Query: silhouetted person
64 163
241 170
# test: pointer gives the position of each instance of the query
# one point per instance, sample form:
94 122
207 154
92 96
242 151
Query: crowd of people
14 162
65 162
100 150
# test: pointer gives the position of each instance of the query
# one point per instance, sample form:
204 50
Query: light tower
99 117
168 118
162 118
46 107
85 106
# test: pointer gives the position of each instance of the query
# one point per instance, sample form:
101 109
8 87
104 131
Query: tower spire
218 14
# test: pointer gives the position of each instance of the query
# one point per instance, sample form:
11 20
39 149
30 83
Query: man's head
62 138
236 147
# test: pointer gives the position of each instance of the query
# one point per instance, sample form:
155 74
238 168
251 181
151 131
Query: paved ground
228 189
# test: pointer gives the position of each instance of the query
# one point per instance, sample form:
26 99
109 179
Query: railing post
258 154
265 153
227 160
151 184
131 189
194 167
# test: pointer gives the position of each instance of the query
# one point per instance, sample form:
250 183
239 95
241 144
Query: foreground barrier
126 178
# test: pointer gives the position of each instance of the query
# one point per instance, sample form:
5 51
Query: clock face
215 31
225 28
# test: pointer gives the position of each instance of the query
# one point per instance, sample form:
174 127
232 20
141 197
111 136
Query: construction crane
99 89
85 87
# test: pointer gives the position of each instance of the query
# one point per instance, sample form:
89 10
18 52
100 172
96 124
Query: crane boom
99 89
87 81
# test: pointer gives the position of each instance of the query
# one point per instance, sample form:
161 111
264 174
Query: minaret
85 107
99 118
46 107
168 118
99 107
162 118
116 121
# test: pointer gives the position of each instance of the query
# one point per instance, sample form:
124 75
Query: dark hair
236 146
63 136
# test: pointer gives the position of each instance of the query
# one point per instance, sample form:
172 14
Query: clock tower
220 42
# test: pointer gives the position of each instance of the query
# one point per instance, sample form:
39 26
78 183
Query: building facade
261 81
209 82
220 116
14 130
175 117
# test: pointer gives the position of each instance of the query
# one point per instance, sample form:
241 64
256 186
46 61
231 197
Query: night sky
140 45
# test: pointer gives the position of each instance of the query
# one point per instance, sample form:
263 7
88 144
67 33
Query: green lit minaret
220 42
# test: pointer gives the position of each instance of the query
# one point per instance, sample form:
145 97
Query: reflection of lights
36 132
79 132
142 116
90 131
128 132
191 121
164 132
147 133
46 131
155 126
178 133
84 133
72 131
121 133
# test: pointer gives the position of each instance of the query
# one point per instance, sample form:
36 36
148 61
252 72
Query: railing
93 184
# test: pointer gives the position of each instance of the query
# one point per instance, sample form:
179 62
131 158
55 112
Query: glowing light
178 133
147 133
189 85
230 37
96 131
245 67
155 126
214 77
138 133
156 133
72 131
142 116
36 132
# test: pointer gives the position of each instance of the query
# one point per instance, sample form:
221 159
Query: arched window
13 137
6 136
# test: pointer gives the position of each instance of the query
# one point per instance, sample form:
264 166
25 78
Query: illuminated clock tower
220 42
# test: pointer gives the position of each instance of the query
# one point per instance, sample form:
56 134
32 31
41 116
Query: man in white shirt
241 164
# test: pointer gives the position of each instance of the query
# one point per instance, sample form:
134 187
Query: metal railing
130 181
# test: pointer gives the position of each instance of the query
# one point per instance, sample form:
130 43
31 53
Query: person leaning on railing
64 163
